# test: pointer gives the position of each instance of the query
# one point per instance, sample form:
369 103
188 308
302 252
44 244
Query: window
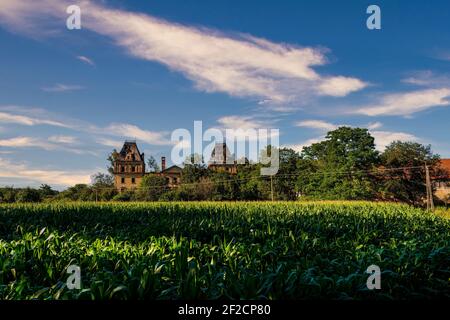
122 180
133 168
133 180
122 169
174 180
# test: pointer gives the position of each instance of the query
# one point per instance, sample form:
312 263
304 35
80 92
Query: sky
140 69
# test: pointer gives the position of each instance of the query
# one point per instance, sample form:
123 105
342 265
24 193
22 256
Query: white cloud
239 65
406 104
26 142
246 128
241 122
63 139
134 132
316 124
384 138
13 170
6 117
58 144
340 86
374 125
427 78
59 87
86 60
117 144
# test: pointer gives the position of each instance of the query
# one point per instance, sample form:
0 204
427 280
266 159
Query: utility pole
430 202
271 186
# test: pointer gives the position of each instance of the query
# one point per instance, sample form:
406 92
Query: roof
130 146
221 154
172 168
445 165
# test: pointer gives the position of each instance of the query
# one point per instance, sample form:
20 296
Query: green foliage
222 250
338 167
152 164
151 188
407 185
28 195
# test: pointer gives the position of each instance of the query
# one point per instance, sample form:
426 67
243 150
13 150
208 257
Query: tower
129 167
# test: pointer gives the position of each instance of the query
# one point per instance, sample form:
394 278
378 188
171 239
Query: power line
373 171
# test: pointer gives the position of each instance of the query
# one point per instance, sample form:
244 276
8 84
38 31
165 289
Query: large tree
340 166
408 182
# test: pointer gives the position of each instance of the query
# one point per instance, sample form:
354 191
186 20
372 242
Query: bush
28 195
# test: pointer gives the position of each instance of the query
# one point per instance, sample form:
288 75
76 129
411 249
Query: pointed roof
130 147
221 154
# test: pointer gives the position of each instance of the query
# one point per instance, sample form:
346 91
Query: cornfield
223 250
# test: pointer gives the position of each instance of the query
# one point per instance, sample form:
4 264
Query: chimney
163 163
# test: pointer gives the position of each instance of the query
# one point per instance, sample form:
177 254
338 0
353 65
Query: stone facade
128 167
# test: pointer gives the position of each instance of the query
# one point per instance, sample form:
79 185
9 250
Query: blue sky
141 69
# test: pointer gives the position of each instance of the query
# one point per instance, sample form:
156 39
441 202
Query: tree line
345 165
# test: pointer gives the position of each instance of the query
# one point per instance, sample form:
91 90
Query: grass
208 250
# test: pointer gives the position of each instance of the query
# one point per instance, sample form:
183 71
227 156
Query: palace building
129 166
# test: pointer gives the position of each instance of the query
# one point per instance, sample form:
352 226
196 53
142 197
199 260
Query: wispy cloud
241 122
117 144
59 87
427 78
240 65
26 142
86 60
6 117
126 130
407 103
54 143
22 171
63 139
316 124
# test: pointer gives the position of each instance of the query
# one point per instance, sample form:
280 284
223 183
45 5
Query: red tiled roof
445 164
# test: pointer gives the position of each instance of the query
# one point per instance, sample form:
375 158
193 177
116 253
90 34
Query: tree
78 192
285 181
8 195
102 180
111 159
47 191
194 169
103 186
28 195
339 167
407 184
152 187
152 164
